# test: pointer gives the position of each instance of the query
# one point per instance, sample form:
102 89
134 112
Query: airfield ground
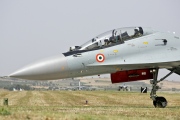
71 105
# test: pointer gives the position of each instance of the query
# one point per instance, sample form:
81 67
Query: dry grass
70 105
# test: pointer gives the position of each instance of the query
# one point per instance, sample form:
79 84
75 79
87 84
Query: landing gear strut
158 102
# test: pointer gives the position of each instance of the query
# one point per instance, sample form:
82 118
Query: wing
177 71
144 64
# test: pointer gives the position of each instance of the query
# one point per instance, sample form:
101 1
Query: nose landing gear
158 102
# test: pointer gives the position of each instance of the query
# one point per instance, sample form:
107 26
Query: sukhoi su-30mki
127 54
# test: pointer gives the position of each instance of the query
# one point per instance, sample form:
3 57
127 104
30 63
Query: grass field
102 105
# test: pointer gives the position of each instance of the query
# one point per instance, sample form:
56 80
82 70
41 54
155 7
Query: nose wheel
158 102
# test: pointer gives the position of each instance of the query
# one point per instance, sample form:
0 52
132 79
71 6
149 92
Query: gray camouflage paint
148 51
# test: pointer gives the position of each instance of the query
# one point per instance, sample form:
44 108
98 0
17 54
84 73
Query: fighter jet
127 54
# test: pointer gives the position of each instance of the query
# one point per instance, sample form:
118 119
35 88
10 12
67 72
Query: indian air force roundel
100 58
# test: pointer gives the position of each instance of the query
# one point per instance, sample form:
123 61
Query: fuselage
115 50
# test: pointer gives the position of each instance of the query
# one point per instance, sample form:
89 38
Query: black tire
154 103
160 102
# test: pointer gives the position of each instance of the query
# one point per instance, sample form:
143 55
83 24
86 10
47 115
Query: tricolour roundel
100 58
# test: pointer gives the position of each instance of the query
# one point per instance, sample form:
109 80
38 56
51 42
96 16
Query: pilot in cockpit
112 39
136 33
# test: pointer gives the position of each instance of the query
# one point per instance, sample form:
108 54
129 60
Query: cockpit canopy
115 36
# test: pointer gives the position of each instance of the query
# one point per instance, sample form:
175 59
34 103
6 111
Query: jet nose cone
52 68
